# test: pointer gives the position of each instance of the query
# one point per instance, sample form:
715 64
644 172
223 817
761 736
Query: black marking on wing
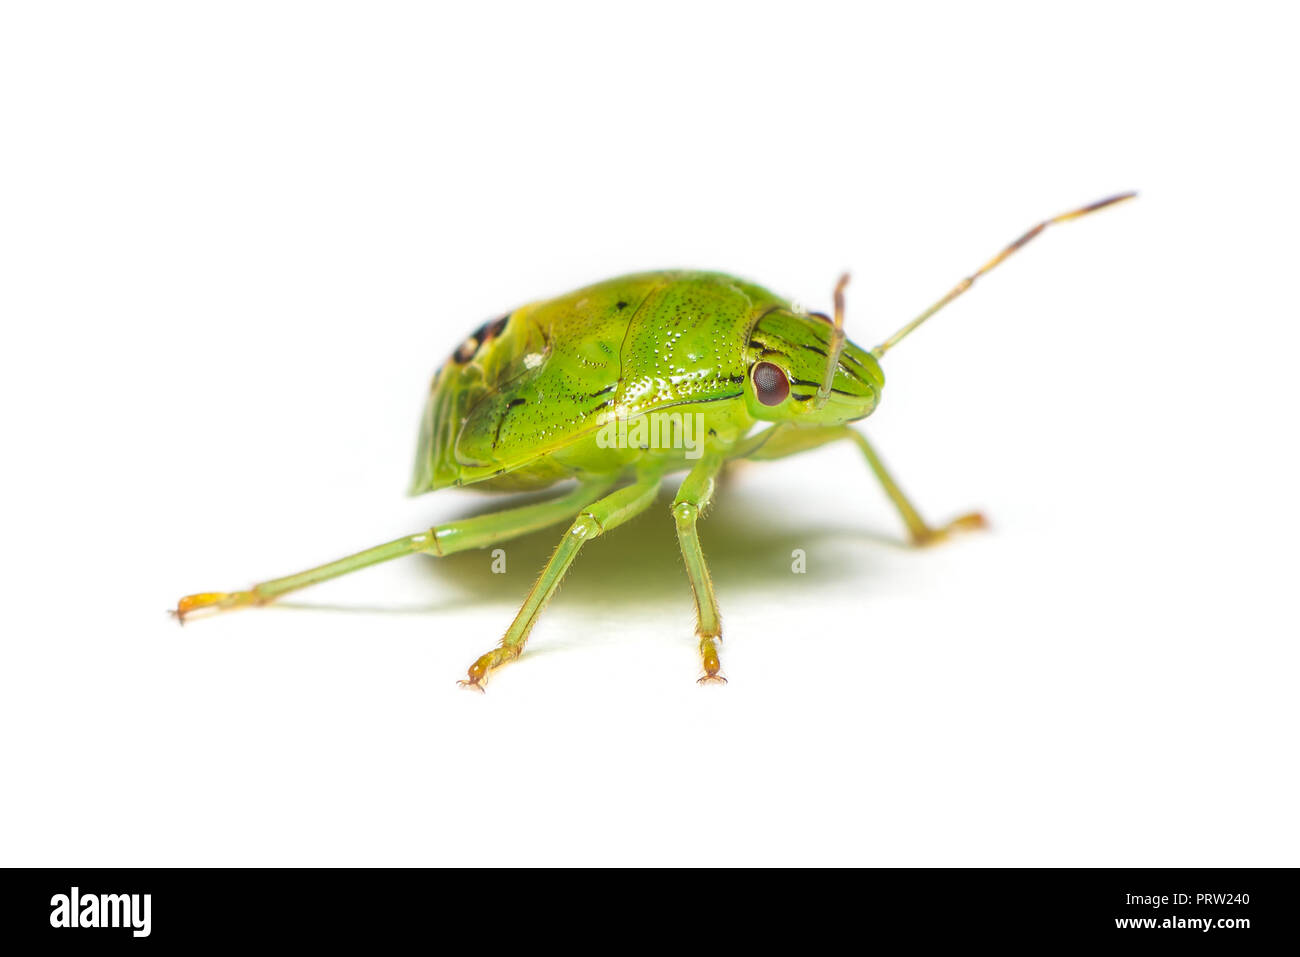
485 333
817 349
698 401
605 391
465 351
502 421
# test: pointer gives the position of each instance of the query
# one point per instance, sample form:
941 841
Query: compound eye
770 384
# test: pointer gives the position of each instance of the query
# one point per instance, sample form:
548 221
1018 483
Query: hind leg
440 540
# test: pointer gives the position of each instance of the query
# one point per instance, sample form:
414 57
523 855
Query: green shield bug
616 386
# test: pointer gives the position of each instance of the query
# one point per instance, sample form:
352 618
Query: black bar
1179 907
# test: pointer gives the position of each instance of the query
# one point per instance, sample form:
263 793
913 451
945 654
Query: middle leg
596 519
692 498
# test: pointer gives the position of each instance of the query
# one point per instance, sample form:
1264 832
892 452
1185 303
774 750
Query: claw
214 600
712 665
972 522
477 674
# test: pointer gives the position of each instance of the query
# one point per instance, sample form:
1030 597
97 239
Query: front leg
782 441
921 533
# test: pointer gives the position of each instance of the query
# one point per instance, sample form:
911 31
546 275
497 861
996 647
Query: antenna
837 345
969 281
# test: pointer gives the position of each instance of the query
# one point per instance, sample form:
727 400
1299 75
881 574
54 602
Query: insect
584 386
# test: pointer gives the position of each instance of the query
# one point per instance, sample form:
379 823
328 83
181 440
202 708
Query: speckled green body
520 403
560 389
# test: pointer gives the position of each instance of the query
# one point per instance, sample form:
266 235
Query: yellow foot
211 602
480 669
973 522
477 675
709 655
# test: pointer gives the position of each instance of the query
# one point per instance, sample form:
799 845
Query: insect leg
599 517
440 540
792 441
692 498
920 532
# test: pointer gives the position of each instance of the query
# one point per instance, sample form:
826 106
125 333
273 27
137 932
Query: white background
239 238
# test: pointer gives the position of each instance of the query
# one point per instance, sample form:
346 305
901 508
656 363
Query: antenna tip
1108 201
